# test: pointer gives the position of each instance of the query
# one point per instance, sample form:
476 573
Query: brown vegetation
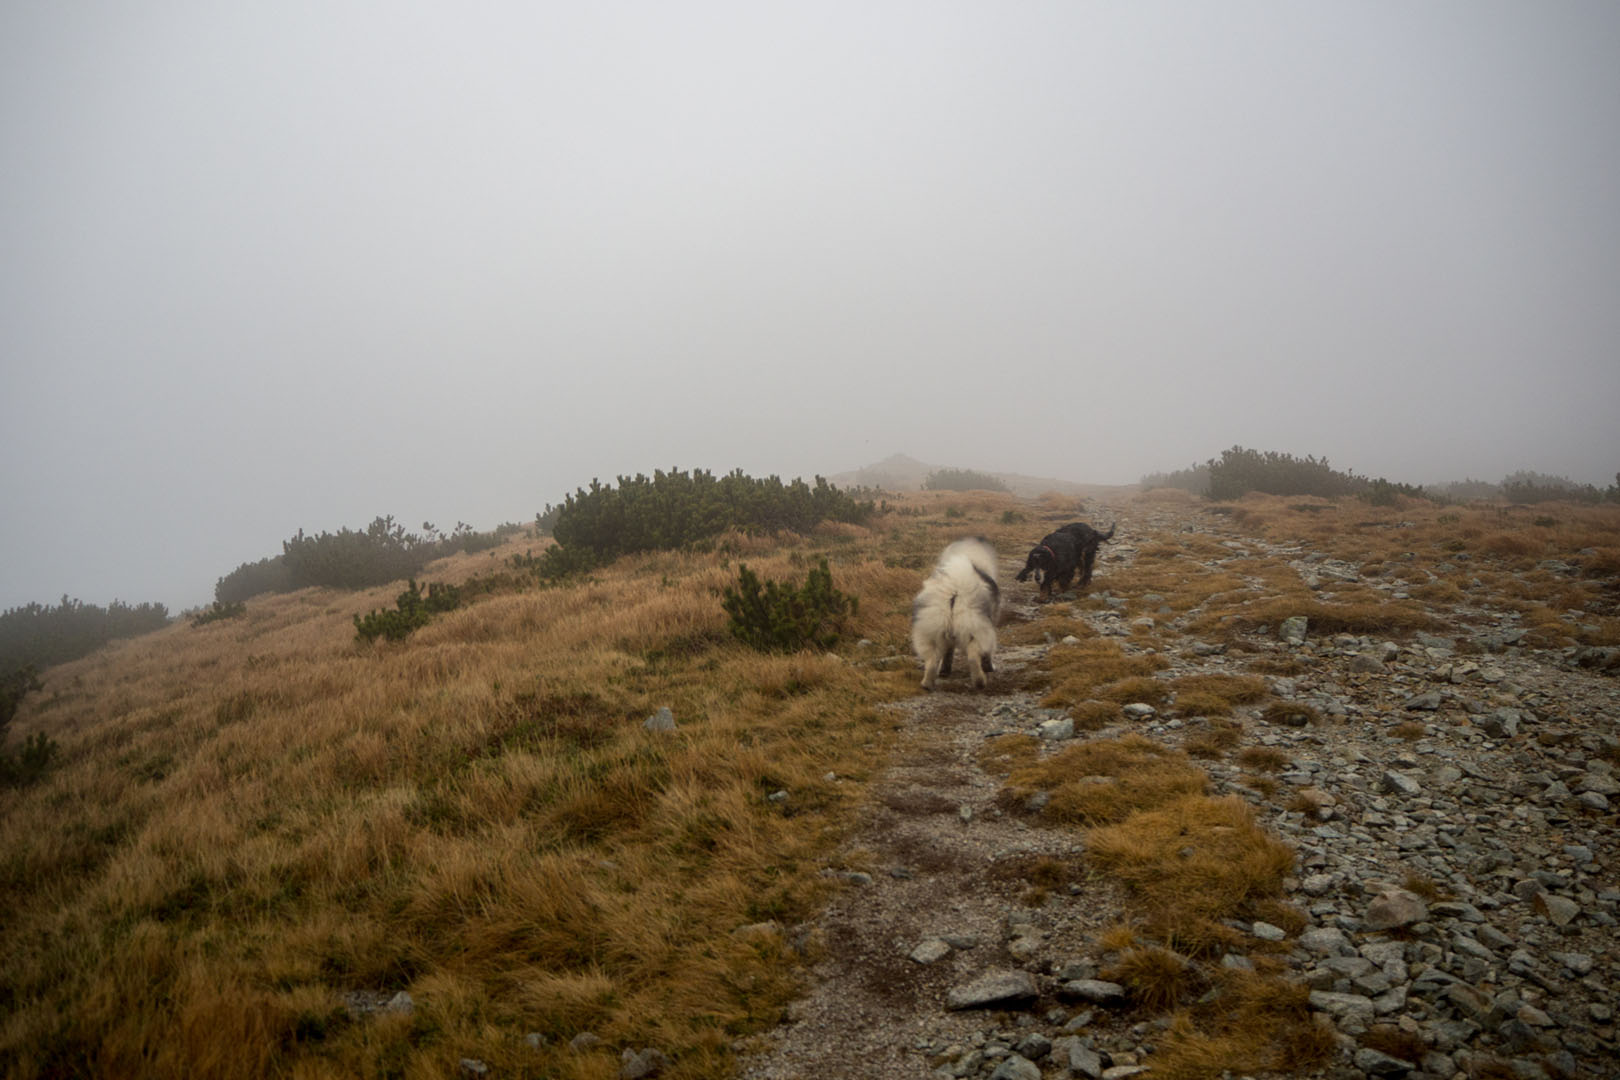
256 817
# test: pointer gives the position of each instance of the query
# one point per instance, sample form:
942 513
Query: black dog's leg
945 665
984 662
1091 560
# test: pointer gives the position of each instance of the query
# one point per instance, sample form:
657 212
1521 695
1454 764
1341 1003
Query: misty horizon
303 266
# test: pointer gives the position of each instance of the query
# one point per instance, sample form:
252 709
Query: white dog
958 608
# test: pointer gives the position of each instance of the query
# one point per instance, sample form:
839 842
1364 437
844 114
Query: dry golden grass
1213 742
1107 780
1094 715
252 818
1136 688
1054 626
1255 1023
1079 672
1423 886
1005 753
1116 938
1386 618
1156 978
1216 695
1263 758
1190 862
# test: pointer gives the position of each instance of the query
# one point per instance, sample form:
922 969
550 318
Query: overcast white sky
272 266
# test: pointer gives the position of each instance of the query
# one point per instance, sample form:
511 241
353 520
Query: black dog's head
1041 561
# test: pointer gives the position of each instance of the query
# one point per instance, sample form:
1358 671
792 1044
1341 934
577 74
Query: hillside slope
271 850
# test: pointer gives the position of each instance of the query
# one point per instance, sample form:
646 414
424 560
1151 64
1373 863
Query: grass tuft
1157 978
1108 780
1263 758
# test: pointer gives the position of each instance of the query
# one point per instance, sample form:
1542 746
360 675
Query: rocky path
1451 810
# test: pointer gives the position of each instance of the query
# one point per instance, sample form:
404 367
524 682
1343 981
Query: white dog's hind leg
930 672
977 663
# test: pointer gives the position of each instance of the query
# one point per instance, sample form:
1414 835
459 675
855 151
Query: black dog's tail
1110 534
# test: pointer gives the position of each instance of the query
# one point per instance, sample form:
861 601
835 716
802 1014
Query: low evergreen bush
1194 478
412 609
675 509
38 750
219 611
962 480
29 763
1239 471
354 558
1534 487
14 686
776 617
40 635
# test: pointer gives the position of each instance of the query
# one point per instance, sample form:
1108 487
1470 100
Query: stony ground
1450 805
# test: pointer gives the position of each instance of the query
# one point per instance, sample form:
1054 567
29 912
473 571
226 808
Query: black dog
1089 540
1061 555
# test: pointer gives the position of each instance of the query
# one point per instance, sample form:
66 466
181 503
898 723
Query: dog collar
1049 551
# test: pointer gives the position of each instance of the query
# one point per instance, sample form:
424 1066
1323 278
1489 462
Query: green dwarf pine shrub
962 480
37 752
38 749
777 617
219 611
412 609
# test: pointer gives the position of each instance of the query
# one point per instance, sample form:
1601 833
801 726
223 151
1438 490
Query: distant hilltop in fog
899 472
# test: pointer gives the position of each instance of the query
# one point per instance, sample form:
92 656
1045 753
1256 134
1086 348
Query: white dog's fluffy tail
958 607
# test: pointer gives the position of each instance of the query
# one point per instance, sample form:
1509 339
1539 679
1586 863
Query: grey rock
585 1040
1577 963
1593 800
1560 909
1383 953
931 951
1439 1065
999 988
1317 884
1053 730
1397 783
1094 991
1016 1067
1470 1003
1467 946
1377 1063
1267 932
1352 1012
662 720
1293 630
1428 702
1599 659
1394 907
1034 1046
1140 710
1500 724
638 1064
1456 909
473 1067
1084 1061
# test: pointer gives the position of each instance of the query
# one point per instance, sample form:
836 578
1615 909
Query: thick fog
288 265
